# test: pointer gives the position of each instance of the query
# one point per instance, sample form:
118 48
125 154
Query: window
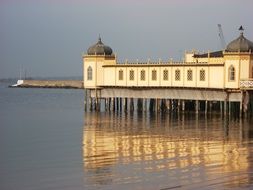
154 75
142 75
177 75
131 75
231 73
165 74
202 75
89 73
120 74
189 75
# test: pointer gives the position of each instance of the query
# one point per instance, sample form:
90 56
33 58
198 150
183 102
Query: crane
222 39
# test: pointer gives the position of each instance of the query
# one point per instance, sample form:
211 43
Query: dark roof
99 49
240 44
212 54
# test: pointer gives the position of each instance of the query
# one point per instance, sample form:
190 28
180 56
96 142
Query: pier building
222 78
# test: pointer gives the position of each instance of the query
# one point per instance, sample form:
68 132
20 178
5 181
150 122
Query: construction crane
222 39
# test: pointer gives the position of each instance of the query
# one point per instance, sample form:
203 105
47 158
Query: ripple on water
153 152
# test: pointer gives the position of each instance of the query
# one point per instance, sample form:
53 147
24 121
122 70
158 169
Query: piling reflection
166 151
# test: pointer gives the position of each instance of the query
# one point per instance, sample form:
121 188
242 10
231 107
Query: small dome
241 44
99 49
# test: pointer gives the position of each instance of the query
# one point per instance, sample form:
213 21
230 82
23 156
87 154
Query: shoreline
64 84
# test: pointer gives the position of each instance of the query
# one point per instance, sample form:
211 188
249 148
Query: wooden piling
85 100
168 104
91 103
112 104
206 106
221 107
197 106
131 104
229 107
144 104
178 105
126 102
183 105
225 107
139 105
151 105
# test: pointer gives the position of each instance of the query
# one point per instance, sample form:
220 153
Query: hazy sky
47 37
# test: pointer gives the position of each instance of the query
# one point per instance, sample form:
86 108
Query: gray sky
47 37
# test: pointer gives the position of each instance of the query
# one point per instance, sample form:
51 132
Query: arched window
165 74
143 75
131 75
177 75
120 74
89 73
154 75
202 75
231 73
189 75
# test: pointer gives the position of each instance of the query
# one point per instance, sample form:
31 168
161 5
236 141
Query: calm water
48 142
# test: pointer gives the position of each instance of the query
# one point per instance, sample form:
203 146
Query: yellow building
216 76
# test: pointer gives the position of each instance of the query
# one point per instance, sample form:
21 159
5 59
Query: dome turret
240 44
99 49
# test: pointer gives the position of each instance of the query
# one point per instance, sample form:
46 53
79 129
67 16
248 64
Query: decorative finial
99 38
241 29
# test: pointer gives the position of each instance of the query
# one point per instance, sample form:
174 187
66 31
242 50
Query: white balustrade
246 83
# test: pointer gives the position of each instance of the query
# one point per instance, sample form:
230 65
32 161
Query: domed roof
99 49
240 44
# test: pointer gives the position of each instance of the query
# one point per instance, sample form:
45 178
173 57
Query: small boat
19 82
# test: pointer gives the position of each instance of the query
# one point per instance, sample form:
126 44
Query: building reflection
184 147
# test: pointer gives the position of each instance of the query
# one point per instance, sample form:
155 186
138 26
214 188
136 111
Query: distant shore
74 84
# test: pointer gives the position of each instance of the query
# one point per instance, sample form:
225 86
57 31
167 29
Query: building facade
216 76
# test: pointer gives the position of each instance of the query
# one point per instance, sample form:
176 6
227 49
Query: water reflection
142 151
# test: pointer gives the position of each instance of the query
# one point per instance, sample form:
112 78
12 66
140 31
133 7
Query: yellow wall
100 73
205 83
157 81
242 67
193 82
109 76
251 69
180 82
209 60
216 77
166 82
228 82
96 63
131 82
245 69
89 83
146 81
189 57
106 72
123 81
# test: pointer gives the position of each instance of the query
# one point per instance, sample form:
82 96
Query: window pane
142 75
202 75
120 75
165 75
131 75
189 75
89 73
177 75
154 75
231 72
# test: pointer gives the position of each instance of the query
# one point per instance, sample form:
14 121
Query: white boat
19 82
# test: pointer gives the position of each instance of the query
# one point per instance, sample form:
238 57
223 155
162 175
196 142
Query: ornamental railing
247 83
